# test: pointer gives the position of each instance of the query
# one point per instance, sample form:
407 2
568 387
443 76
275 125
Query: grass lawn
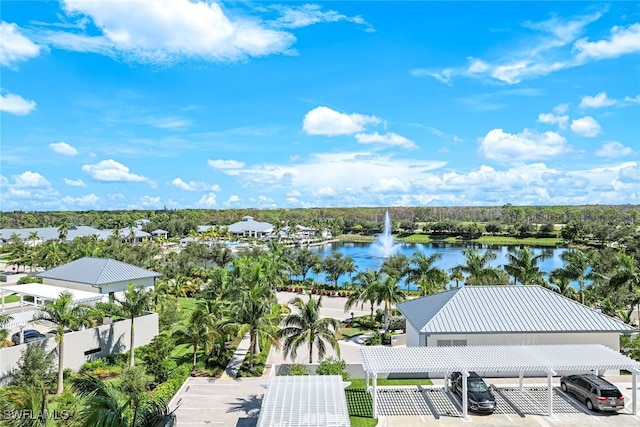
11 298
346 333
531 241
362 422
359 383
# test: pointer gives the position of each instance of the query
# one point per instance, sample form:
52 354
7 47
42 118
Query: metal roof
97 271
249 224
505 309
308 400
503 358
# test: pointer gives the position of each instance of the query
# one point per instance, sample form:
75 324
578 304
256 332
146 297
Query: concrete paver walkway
231 371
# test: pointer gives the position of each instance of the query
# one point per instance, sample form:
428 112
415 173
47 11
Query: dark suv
30 335
596 392
479 396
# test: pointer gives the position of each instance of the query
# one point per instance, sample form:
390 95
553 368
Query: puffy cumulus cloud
613 149
325 191
233 200
586 126
263 202
147 202
622 40
14 47
90 200
630 173
310 14
194 186
74 182
598 101
528 145
225 164
112 171
550 118
389 138
170 30
63 148
390 185
30 179
15 104
207 201
328 122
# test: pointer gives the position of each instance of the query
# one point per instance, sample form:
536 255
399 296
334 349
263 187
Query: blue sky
203 104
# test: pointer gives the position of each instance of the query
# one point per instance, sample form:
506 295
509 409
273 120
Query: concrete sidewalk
231 371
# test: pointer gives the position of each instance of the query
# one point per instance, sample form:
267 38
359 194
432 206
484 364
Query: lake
366 255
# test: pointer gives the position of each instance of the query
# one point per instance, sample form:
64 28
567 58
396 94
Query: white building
250 228
507 315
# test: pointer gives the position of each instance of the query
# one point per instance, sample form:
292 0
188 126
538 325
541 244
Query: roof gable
506 309
97 271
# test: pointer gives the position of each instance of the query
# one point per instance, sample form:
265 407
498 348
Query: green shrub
26 279
375 339
333 366
165 391
259 361
397 323
297 370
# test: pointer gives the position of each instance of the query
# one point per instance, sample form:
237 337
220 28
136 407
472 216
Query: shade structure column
521 380
465 398
2 300
634 391
550 374
375 395
366 380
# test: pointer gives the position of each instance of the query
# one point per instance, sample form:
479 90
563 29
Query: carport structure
551 359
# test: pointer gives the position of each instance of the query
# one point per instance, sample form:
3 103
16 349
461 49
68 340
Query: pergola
42 292
520 359
308 400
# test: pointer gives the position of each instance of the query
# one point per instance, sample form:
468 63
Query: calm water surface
367 256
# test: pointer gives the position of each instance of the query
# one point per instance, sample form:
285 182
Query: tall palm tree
4 333
561 282
306 326
396 265
425 274
65 314
196 330
456 275
576 267
134 303
389 293
523 266
478 269
366 285
627 277
259 318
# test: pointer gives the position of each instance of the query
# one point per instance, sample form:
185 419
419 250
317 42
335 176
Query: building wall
104 289
109 339
413 337
611 340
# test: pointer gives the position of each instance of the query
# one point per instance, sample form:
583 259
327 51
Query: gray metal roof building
249 226
505 309
97 271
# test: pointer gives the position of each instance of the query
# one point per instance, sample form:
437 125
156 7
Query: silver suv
596 392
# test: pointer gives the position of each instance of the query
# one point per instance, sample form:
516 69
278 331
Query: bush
397 323
165 391
26 279
379 315
259 361
297 370
375 339
333 366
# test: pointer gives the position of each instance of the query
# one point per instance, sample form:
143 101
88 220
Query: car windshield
476 385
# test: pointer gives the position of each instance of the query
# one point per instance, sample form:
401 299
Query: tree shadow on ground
250 405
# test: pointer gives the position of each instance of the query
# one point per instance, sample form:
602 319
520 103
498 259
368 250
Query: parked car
479 395
29 335
597 393
52 332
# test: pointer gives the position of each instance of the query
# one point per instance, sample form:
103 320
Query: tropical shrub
397 323
333 366
169 388
297 370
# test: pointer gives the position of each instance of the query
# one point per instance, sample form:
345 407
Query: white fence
90 344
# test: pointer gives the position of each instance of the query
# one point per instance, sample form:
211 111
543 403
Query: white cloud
63 148
169 30
207 201
632 100
264 202
149 202
391 185
613 149
233 200
88 200
168 122
112 171
310 14
15 104
622 41
225 164
561 108
30 179
194 186
389 138
553 119
14 47
525 146
328 122
74 182
325 191
598 101
586 126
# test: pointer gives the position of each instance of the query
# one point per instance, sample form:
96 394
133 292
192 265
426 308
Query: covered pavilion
42 293
551 359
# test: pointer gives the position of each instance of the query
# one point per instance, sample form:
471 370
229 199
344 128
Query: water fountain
385 245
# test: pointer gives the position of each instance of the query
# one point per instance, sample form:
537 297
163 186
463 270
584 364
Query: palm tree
523 266
134 303
627 276
65 314
366 285
259 318
28 399
576 267
389 293
562 282
478 269
425 275
396 265
306 259
196 330
4 333
456 275
308 327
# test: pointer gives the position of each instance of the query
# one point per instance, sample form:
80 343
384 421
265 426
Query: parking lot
407 406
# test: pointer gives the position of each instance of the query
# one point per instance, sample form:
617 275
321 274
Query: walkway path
231 371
